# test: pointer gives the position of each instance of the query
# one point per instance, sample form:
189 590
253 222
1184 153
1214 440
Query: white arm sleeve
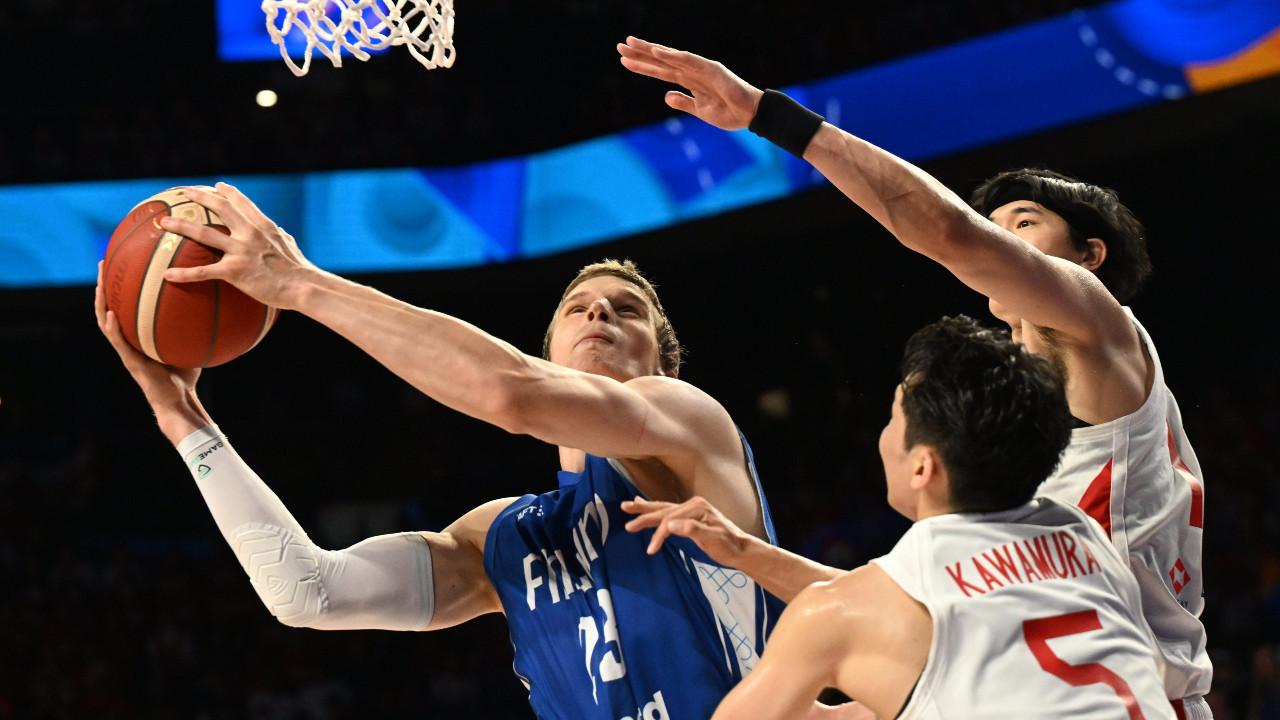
383 583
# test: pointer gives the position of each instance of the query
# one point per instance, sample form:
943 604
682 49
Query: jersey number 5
1038 632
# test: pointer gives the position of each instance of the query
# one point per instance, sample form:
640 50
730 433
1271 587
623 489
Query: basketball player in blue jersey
994 604
1056 259
600 630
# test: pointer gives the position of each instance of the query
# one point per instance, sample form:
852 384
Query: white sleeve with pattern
383 583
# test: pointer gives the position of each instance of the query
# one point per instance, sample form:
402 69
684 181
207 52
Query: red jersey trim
1096 502
1197 490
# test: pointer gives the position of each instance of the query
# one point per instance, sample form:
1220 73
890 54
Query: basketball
189 325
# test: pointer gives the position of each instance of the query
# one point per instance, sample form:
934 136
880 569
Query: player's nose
601 310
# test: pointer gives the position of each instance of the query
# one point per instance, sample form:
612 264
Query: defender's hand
695 519
259 257
717 96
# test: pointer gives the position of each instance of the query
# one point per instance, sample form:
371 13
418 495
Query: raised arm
920 212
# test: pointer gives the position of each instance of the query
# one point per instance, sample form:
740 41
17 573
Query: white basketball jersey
1139 478
1035 615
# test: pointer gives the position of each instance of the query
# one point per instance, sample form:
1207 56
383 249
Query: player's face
896 460
606 326
1041 228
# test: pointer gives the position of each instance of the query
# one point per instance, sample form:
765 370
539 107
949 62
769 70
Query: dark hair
1091 211
996 414
669 351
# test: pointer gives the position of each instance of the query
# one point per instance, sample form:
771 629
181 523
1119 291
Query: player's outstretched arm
782 573
454 362
918 210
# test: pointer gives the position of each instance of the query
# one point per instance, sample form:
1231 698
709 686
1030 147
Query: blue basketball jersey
603 631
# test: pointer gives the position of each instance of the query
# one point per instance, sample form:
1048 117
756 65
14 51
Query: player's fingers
202 234
688 527
639 45
659 51
212 271
681 102
643 66
213 200
660 534
110 326
646 520
638 505
100 301
245 206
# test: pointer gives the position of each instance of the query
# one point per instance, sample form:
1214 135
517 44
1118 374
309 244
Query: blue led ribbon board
1049 74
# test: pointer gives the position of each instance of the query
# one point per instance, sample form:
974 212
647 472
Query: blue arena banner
1086 64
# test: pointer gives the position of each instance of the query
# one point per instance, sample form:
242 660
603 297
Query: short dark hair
669 351
997 414
1090 210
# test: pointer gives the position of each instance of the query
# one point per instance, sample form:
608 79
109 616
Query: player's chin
598 363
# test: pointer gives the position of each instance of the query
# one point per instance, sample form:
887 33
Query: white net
329 26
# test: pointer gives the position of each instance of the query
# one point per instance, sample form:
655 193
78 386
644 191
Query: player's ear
1094 254
925 467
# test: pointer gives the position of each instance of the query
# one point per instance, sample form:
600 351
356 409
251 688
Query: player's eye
1025 223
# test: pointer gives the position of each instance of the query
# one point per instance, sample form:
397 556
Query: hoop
426 26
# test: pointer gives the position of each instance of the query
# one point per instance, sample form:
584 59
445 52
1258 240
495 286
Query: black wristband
785 122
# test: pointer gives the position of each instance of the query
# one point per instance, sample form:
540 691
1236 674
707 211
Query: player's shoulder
663 384
1103 326
678 398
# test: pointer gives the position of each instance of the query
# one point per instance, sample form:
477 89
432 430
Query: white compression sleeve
383 583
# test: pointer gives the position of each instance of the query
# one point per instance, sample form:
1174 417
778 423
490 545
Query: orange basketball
188 325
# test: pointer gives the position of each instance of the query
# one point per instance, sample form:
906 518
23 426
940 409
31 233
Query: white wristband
382 583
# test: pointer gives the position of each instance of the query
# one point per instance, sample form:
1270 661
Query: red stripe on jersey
1197 490
1096 502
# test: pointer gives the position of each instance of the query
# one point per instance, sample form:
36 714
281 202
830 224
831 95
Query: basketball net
426 26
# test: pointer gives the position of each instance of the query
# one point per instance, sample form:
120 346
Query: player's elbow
304 620
285 571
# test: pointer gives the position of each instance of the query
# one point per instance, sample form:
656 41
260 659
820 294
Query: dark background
117 595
